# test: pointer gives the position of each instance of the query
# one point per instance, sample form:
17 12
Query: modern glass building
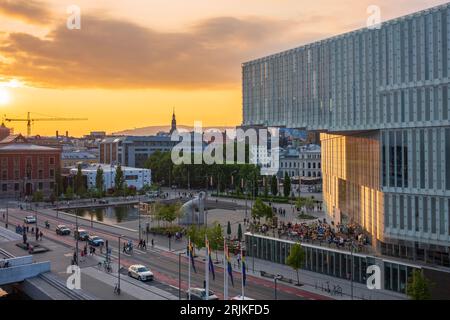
380 98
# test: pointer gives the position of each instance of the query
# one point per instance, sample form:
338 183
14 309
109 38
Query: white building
136 177
301 162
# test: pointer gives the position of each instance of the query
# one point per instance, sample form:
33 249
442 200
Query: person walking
144 244
40 235
153 243
37 234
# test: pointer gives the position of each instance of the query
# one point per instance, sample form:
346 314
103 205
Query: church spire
174 122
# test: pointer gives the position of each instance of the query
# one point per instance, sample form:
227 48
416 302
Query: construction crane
30 121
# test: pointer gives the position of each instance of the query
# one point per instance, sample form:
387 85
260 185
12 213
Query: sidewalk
312 282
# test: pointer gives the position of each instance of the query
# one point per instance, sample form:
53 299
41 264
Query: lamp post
179 276
118 267
6 223
352 247
275 279
253 255
77 235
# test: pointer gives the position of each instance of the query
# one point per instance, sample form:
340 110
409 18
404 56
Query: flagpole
225 276
189 264
242 275
207 268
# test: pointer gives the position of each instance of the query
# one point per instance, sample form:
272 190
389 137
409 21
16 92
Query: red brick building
26 168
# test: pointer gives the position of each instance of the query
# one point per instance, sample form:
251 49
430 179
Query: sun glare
4 96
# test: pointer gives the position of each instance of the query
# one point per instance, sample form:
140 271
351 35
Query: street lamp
179 276
275 279
77 234
118 267
253 255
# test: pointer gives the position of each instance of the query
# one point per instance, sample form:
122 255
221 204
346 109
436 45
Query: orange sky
133 61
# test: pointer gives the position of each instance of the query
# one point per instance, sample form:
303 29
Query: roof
26 147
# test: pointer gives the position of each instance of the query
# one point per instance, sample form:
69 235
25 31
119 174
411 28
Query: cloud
30 11
112 53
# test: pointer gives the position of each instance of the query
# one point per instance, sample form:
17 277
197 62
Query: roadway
164 264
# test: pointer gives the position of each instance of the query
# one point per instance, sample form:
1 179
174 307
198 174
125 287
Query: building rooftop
25 147
105 167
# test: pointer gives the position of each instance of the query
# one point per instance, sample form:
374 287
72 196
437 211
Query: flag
211 265
244 276
229 267
191 255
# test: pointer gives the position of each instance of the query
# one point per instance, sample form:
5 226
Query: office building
380 98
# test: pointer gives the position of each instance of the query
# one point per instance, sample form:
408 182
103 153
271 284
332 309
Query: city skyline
47 69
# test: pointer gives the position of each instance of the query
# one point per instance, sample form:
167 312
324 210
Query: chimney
67 134
57 134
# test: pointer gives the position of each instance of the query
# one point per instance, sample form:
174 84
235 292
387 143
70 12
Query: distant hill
153 130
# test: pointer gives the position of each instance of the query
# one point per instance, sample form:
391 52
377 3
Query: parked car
30 219
103 201
140 272
96 241
81 234
199 294
62 230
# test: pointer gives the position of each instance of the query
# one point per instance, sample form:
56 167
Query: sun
4 96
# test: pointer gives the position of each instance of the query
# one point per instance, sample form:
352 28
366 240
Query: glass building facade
380 98
332 262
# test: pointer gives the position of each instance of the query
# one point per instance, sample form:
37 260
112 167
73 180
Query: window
40 186
16 187
52 160
4 175
4 187
40 174
52 173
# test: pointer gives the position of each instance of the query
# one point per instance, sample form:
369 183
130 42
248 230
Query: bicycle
337 290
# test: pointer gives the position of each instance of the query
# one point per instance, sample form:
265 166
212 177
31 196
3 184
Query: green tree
38 196
99 179
287 185
261 210
59 189
296 259
229 229
197 235
266 188
69 193
162 167
239 232
418 287
119 180
168 212
215 237
80 188
274 186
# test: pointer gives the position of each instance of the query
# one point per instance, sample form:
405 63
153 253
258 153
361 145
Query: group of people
26 229
142 244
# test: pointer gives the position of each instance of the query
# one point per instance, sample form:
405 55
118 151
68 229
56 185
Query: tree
69 193
274 186
168 212
261 210
229 229
296 259
266 188
58 182
99 179
38 196
418 287
239 233
119 180
197 235
286 185
80 188
215 237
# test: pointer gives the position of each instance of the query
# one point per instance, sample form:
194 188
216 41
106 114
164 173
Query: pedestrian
28 229
144 244
93 250
41 235
85 250
32 230
124 247
37 235
153 243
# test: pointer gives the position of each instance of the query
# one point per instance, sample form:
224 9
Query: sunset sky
134 60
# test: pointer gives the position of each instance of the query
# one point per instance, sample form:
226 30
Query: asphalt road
165 265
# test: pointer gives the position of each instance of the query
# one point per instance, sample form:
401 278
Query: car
30 219
62 230
199 294
140 272
240 297
96 241
103 201
81 234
